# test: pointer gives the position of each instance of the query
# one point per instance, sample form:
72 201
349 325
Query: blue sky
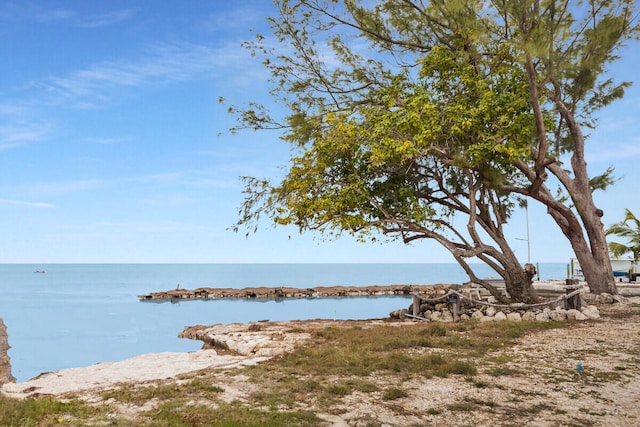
111 147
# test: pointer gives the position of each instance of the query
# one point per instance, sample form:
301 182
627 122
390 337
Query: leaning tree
385 168
498 93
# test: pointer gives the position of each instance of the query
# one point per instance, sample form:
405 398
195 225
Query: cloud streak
108 19
38 205
164 64
12 136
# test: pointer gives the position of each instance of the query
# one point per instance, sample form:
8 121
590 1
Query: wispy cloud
56 189
107 141
193 179
53 15
116 229
27 12
164 64
240 18
108 19
38 205
12 136
623 151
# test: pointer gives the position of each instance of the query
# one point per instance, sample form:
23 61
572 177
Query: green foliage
228 415
432 120
394 393
44 411
629 229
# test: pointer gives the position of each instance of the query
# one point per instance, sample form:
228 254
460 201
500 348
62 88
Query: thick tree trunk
519 284
593 255
596 264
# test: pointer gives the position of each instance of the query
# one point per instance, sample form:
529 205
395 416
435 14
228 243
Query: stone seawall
288 292
439 310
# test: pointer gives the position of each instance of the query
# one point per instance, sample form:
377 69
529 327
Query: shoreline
544 287
289 292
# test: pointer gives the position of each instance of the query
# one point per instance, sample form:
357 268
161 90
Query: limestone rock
591 312
500 316
543 317
588 298
558 315
528 316
491 311
436 316
477 315
396 314
447 316
605 298
514 316
620 299
575 315
5 363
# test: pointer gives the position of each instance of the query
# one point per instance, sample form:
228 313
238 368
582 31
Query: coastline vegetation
288 390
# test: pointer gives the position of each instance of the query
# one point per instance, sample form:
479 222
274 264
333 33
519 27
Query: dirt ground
546 388
541 386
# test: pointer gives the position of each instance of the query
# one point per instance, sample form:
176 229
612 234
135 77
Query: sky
114 148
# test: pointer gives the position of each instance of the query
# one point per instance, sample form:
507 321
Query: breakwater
288 292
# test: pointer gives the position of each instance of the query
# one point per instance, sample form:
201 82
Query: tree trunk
595 262
519 283
592 254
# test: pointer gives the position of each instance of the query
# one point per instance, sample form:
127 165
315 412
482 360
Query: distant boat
40 271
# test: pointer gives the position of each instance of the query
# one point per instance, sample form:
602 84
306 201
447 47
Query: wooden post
416 305
454 302
574 302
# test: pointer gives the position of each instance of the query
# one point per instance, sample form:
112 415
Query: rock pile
282 292
443 311
5 364
255 339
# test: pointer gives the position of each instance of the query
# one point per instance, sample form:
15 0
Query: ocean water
81 314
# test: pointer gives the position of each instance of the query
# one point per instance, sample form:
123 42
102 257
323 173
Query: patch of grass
476 383
363 386
462 407
590 412
45 411
339 389
394 393
433 411
288 391
227 415
336 362
499 371
602 377
139 394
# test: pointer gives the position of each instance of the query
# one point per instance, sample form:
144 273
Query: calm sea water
80 314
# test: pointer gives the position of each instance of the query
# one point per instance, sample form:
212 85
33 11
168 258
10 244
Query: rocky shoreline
287 292
543 288
439 311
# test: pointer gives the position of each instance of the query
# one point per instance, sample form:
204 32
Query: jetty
550 288
288 292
